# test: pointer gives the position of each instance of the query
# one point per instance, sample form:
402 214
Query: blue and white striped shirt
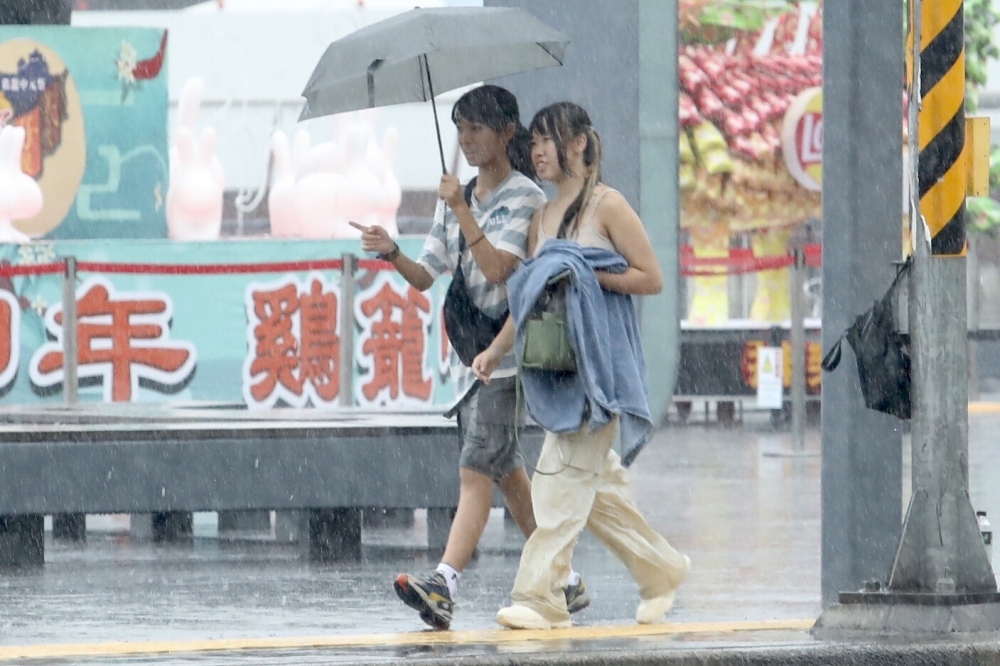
504 217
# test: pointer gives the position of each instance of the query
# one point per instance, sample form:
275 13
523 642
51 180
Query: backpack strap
469 187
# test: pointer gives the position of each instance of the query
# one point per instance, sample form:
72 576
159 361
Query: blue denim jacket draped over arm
604 331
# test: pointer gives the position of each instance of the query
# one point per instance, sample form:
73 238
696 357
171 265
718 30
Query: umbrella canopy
388 62
409 57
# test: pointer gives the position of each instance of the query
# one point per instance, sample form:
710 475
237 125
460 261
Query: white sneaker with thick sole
652 611
522 617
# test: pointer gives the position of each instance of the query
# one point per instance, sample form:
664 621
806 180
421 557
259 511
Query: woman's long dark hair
562 122
496 108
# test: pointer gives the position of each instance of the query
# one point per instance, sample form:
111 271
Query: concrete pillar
172 526
69 526
379 517
291 526
862 218
334 534
22 540
438 526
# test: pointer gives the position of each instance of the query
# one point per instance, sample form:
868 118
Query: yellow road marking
415 639
984 408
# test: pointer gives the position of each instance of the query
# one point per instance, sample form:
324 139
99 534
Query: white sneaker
652 611
522 617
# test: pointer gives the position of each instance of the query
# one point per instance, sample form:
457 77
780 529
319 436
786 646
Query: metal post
347 287
940 550
798 343
70 350
972 292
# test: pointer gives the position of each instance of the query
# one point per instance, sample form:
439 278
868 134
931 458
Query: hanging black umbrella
882 354
409 57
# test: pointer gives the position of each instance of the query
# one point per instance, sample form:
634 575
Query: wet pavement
746 513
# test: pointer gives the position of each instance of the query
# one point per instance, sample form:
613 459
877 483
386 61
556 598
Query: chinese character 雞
294 349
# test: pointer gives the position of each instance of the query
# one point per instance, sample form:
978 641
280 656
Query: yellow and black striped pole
940 551
942 166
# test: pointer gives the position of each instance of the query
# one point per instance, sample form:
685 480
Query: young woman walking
483 231
580 481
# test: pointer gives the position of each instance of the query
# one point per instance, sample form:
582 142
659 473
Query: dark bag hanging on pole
470 330
883 356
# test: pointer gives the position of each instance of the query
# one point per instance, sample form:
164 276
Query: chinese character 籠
396 348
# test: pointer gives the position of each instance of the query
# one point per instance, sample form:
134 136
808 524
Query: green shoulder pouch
546 332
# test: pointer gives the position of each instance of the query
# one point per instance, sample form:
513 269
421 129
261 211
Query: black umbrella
408 57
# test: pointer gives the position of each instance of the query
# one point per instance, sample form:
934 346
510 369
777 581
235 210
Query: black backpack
883 356
470 330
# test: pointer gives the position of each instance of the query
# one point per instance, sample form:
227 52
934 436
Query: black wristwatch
391 255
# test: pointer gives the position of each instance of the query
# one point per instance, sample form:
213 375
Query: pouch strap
832 358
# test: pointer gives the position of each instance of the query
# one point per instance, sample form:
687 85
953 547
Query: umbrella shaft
437 125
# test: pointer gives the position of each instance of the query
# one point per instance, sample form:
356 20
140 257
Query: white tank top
586 234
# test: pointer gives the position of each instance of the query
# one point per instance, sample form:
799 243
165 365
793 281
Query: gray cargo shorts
487 429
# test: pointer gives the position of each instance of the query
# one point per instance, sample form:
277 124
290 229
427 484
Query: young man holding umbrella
483 234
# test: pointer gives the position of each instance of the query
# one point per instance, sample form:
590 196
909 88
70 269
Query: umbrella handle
437 125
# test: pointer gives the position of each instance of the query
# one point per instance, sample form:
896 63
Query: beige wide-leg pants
580 482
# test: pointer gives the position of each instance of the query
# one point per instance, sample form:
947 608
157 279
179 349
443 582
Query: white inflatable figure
361 199
281 195
306 184
317 190
326 157
20 194
320 185
197 180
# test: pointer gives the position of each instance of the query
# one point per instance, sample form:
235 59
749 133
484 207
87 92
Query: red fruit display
736 86
688 112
